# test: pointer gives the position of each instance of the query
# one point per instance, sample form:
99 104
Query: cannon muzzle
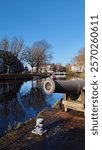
71 87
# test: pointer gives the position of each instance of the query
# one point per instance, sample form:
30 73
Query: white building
75 68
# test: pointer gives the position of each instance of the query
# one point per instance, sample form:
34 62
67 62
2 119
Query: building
8 59
77 68
2 66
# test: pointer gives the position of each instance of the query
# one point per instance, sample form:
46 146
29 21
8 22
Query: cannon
72 88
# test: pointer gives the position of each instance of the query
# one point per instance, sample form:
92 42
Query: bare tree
8 58
43 55
38 54
79 61
11 51
4 44
16 47
80 58
29 56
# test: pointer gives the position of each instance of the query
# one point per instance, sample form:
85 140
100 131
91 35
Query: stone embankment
21 76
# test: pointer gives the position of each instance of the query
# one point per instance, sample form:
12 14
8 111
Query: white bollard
39 128
39 121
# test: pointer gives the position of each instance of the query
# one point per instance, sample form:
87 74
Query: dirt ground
65 131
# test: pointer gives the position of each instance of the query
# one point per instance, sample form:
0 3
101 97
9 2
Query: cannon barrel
71 87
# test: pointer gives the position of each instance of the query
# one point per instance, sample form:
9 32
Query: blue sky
59 22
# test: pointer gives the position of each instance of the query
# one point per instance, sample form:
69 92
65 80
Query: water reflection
21 100
8 90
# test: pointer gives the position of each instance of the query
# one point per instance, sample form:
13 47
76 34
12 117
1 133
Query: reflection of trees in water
9 90
16 109
9 100
16 106
35 97
4 110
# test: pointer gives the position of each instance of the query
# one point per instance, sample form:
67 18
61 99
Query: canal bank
65 130
21 76
21 100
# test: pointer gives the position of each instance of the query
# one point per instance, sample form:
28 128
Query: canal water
22 100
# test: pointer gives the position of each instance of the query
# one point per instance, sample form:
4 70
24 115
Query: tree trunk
37 69
32 70
8 69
